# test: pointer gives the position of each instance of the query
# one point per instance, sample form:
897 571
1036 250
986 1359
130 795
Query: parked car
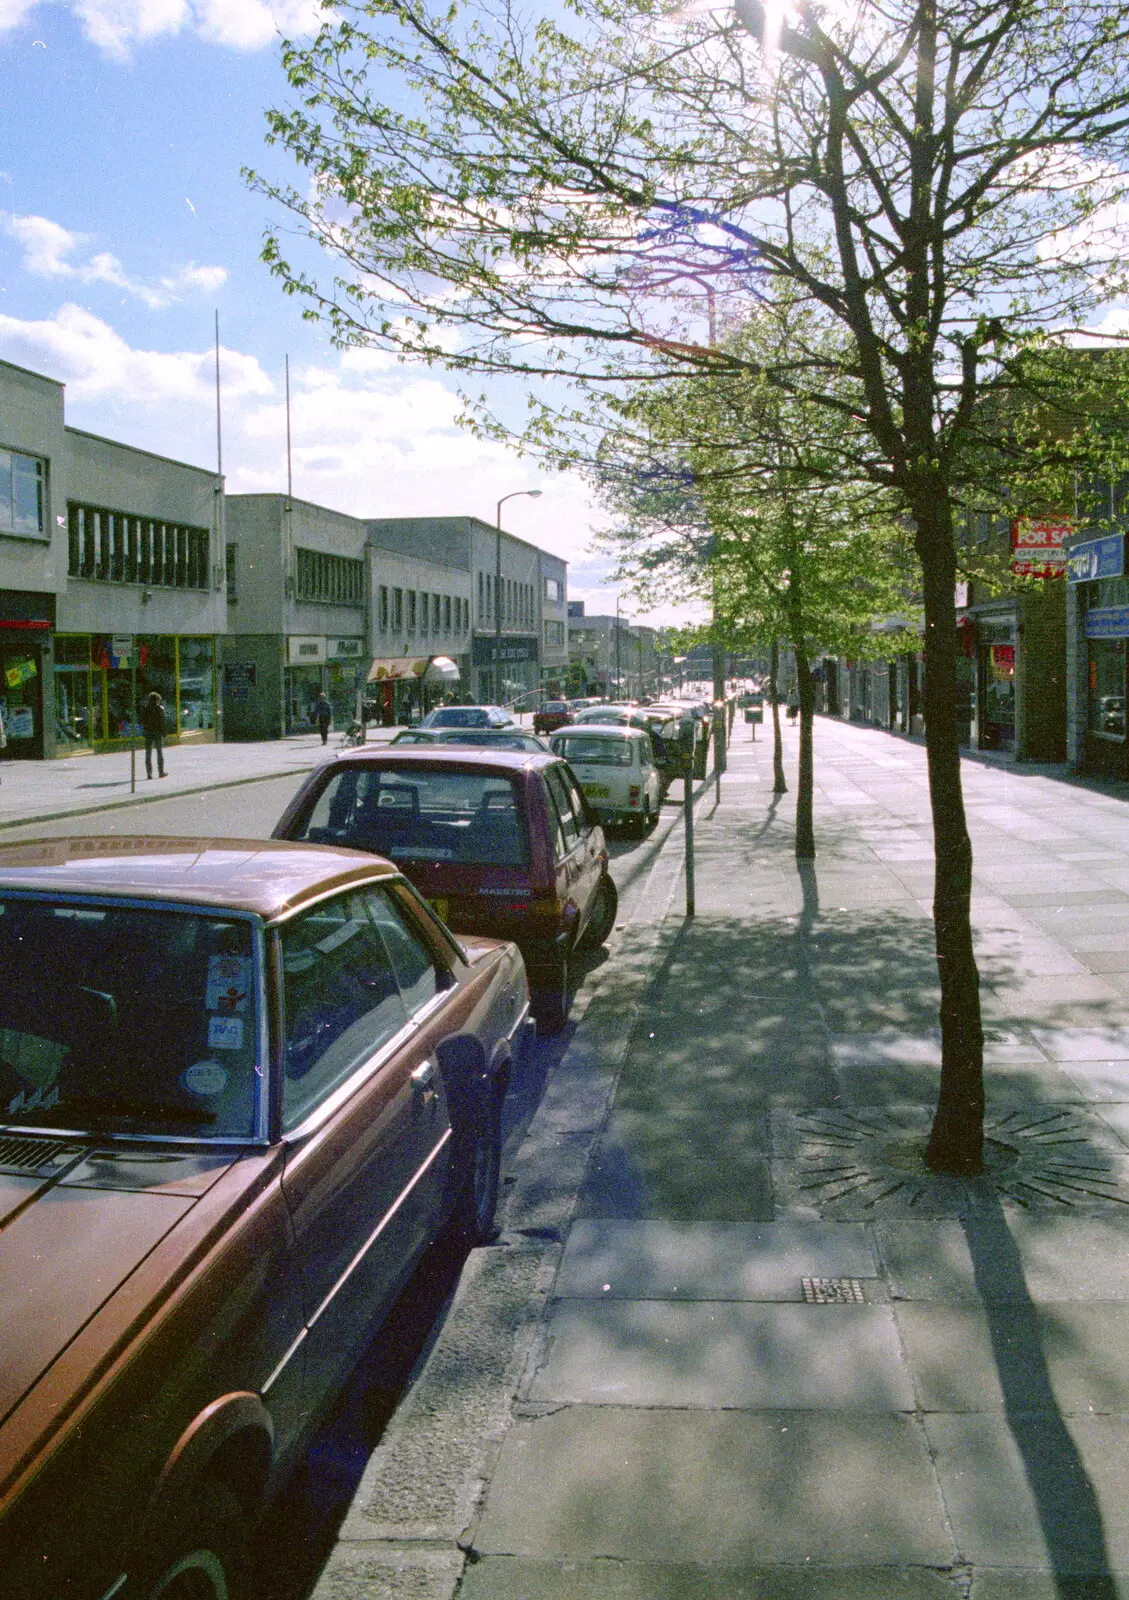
551 715
662 727
468 717
243 1086
481 738
501 844
616 770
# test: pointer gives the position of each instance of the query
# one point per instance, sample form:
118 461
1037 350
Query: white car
615 768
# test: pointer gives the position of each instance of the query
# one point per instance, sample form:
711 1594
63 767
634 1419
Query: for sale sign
1038 547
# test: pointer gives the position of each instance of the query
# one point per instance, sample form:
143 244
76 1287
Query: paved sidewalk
735 1340
31 790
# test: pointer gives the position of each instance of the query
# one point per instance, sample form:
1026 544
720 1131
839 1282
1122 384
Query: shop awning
432 669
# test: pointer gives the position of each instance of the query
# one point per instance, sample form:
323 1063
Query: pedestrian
323 716
793 709
153 727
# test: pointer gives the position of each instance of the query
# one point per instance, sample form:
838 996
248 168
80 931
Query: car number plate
595 791
439 907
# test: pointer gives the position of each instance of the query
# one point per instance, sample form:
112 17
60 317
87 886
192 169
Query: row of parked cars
243 1086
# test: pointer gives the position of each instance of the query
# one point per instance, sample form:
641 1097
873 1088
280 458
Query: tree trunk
805 826
956 1139
779 786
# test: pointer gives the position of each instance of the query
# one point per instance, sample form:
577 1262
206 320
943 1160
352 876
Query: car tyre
472 1222
549 1003
641 824
199 1556
604 913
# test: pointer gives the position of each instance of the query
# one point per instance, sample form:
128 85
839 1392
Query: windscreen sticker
229 984
205 1077
225 1033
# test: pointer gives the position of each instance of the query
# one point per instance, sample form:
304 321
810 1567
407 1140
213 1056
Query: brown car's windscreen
126 1019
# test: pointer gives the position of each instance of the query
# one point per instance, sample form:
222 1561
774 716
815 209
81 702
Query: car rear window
591 750
458 717
126 1019
413 814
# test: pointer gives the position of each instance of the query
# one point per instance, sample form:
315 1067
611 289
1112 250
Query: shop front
1097 567
100 679
514 663
318 665
994 698
26 621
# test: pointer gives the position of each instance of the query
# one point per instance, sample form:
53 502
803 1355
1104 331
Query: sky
125 226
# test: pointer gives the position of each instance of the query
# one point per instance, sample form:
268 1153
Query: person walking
323 716
153 727
793 709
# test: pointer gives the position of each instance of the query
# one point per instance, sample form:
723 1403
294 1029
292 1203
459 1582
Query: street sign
1096 558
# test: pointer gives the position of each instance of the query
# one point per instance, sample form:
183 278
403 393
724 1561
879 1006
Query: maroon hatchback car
242 1087
502 844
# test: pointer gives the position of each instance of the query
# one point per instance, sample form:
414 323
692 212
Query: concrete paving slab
1084 1044
709 1260
642 1182
511 1578
1061 1257
727 1487
1036 1492
1115 1113
962 1359
1001 1047
1099 1081
724 1353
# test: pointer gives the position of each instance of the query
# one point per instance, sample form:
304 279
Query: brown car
242 1086
500 843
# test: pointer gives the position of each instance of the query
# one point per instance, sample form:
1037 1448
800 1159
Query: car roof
441 755
604 730
269 878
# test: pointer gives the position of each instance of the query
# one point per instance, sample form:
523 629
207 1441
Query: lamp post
533 494
618 679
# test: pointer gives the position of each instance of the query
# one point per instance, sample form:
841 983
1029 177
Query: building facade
111 582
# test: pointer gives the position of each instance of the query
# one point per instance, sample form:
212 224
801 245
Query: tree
549 199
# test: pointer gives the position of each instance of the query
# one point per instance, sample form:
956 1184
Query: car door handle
423 1080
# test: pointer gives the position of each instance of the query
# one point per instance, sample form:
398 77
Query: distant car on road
551 715
242 1087
468 717
500 843
616 770
480 738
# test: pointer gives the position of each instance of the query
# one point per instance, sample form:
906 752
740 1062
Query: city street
733 1340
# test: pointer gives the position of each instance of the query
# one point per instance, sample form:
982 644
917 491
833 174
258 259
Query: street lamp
533 494
618 680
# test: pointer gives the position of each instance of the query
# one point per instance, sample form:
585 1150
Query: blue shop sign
1097 558
1108 622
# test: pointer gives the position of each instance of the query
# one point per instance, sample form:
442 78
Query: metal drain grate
833 1292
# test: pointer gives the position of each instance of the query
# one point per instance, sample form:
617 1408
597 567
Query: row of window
21 493
115 547
518 601
330 580
420 611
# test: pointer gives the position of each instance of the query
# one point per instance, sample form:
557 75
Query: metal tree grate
833 1292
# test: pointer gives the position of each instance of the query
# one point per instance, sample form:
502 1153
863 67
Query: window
341 1000
116 547
419 978
329 579
553 590
397 610
446 613
411 611
481 607
554 635
437 613
22 509
424 611
232 568
419 815
559 794
382 607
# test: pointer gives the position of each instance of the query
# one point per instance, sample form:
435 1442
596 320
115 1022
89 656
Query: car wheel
604 912
549 1003
473 1220
198 1556
641 824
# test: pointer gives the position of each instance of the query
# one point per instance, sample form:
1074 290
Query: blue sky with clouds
125 225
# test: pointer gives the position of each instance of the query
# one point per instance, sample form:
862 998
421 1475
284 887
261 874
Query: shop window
196 683
22 479
1106 688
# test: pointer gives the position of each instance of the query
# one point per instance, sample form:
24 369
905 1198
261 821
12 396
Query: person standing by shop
323 716
153 727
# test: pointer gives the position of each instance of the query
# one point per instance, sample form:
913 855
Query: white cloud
97 363
117 26
48 247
